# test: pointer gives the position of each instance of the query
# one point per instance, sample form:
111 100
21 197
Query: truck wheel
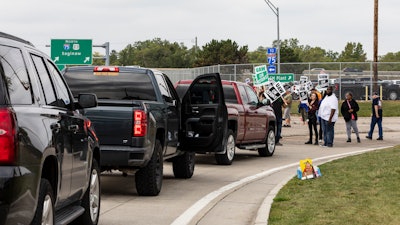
270 144
183 165
91 199
229 145
45 209
149 178
393 95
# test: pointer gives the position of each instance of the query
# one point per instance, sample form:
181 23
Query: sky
318 23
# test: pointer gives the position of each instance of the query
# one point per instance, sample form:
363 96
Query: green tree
258 56
98 59
353 52
289 50
156 53
114 58
221 52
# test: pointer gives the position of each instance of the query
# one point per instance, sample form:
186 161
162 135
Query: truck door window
163 86
229 94
243 94
252 96
17 79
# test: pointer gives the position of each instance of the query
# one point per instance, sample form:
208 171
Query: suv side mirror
87 100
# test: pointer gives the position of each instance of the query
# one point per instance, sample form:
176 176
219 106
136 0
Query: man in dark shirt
376 117
277 107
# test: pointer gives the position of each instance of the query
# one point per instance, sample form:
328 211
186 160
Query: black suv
49 152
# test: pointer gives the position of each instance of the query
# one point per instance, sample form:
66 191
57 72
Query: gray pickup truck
140 121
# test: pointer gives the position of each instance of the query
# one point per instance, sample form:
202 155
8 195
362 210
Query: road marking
191 212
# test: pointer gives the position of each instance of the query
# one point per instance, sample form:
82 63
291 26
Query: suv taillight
139 123
7 136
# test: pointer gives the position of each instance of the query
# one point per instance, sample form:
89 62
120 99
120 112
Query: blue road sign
271 51
271 69
271 60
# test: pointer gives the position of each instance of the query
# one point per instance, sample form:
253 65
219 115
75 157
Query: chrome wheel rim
94 195
230 147
271 142
47 213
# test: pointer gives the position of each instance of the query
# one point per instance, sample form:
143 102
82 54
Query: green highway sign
71 51
282 77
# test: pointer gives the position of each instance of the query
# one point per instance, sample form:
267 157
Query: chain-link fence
356 78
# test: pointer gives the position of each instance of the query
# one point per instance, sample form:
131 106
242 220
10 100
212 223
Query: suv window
122 85
47 86
61 87
16 75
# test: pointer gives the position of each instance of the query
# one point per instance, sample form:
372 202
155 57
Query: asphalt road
237 194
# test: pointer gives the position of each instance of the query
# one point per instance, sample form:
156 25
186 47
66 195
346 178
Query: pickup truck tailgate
113 124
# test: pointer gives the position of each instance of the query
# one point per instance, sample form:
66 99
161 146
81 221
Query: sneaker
278 144
358 140
380 139
308 143
348 140
316 143
368 137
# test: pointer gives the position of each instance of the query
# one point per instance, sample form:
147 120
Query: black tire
46 201
270 144
183 165
149 178
229 149
91 199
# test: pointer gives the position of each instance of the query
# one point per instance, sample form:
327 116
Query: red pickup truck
251 124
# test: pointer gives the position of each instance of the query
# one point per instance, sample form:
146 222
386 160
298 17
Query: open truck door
204 117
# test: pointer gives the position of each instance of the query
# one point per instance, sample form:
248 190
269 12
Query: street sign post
283 77
71 51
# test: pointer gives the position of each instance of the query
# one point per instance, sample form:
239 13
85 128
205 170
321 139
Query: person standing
287 100
349 111
328 111
312 105
376 117
277 107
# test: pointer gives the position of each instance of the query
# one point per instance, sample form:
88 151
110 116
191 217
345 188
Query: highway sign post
71 51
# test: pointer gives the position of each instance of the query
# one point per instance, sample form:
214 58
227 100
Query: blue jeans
375 121
328 131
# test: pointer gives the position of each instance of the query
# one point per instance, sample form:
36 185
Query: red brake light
7 136
139 123
106 69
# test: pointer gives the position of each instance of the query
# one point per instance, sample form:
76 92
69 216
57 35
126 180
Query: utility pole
275 10
375 63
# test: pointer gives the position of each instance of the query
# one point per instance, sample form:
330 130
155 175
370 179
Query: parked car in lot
352 71
141 122
359 86
49 152
251 124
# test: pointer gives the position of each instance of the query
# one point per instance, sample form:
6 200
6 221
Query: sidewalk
389 124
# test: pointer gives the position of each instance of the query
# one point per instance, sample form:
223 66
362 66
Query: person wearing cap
328 111
287 100
376 117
